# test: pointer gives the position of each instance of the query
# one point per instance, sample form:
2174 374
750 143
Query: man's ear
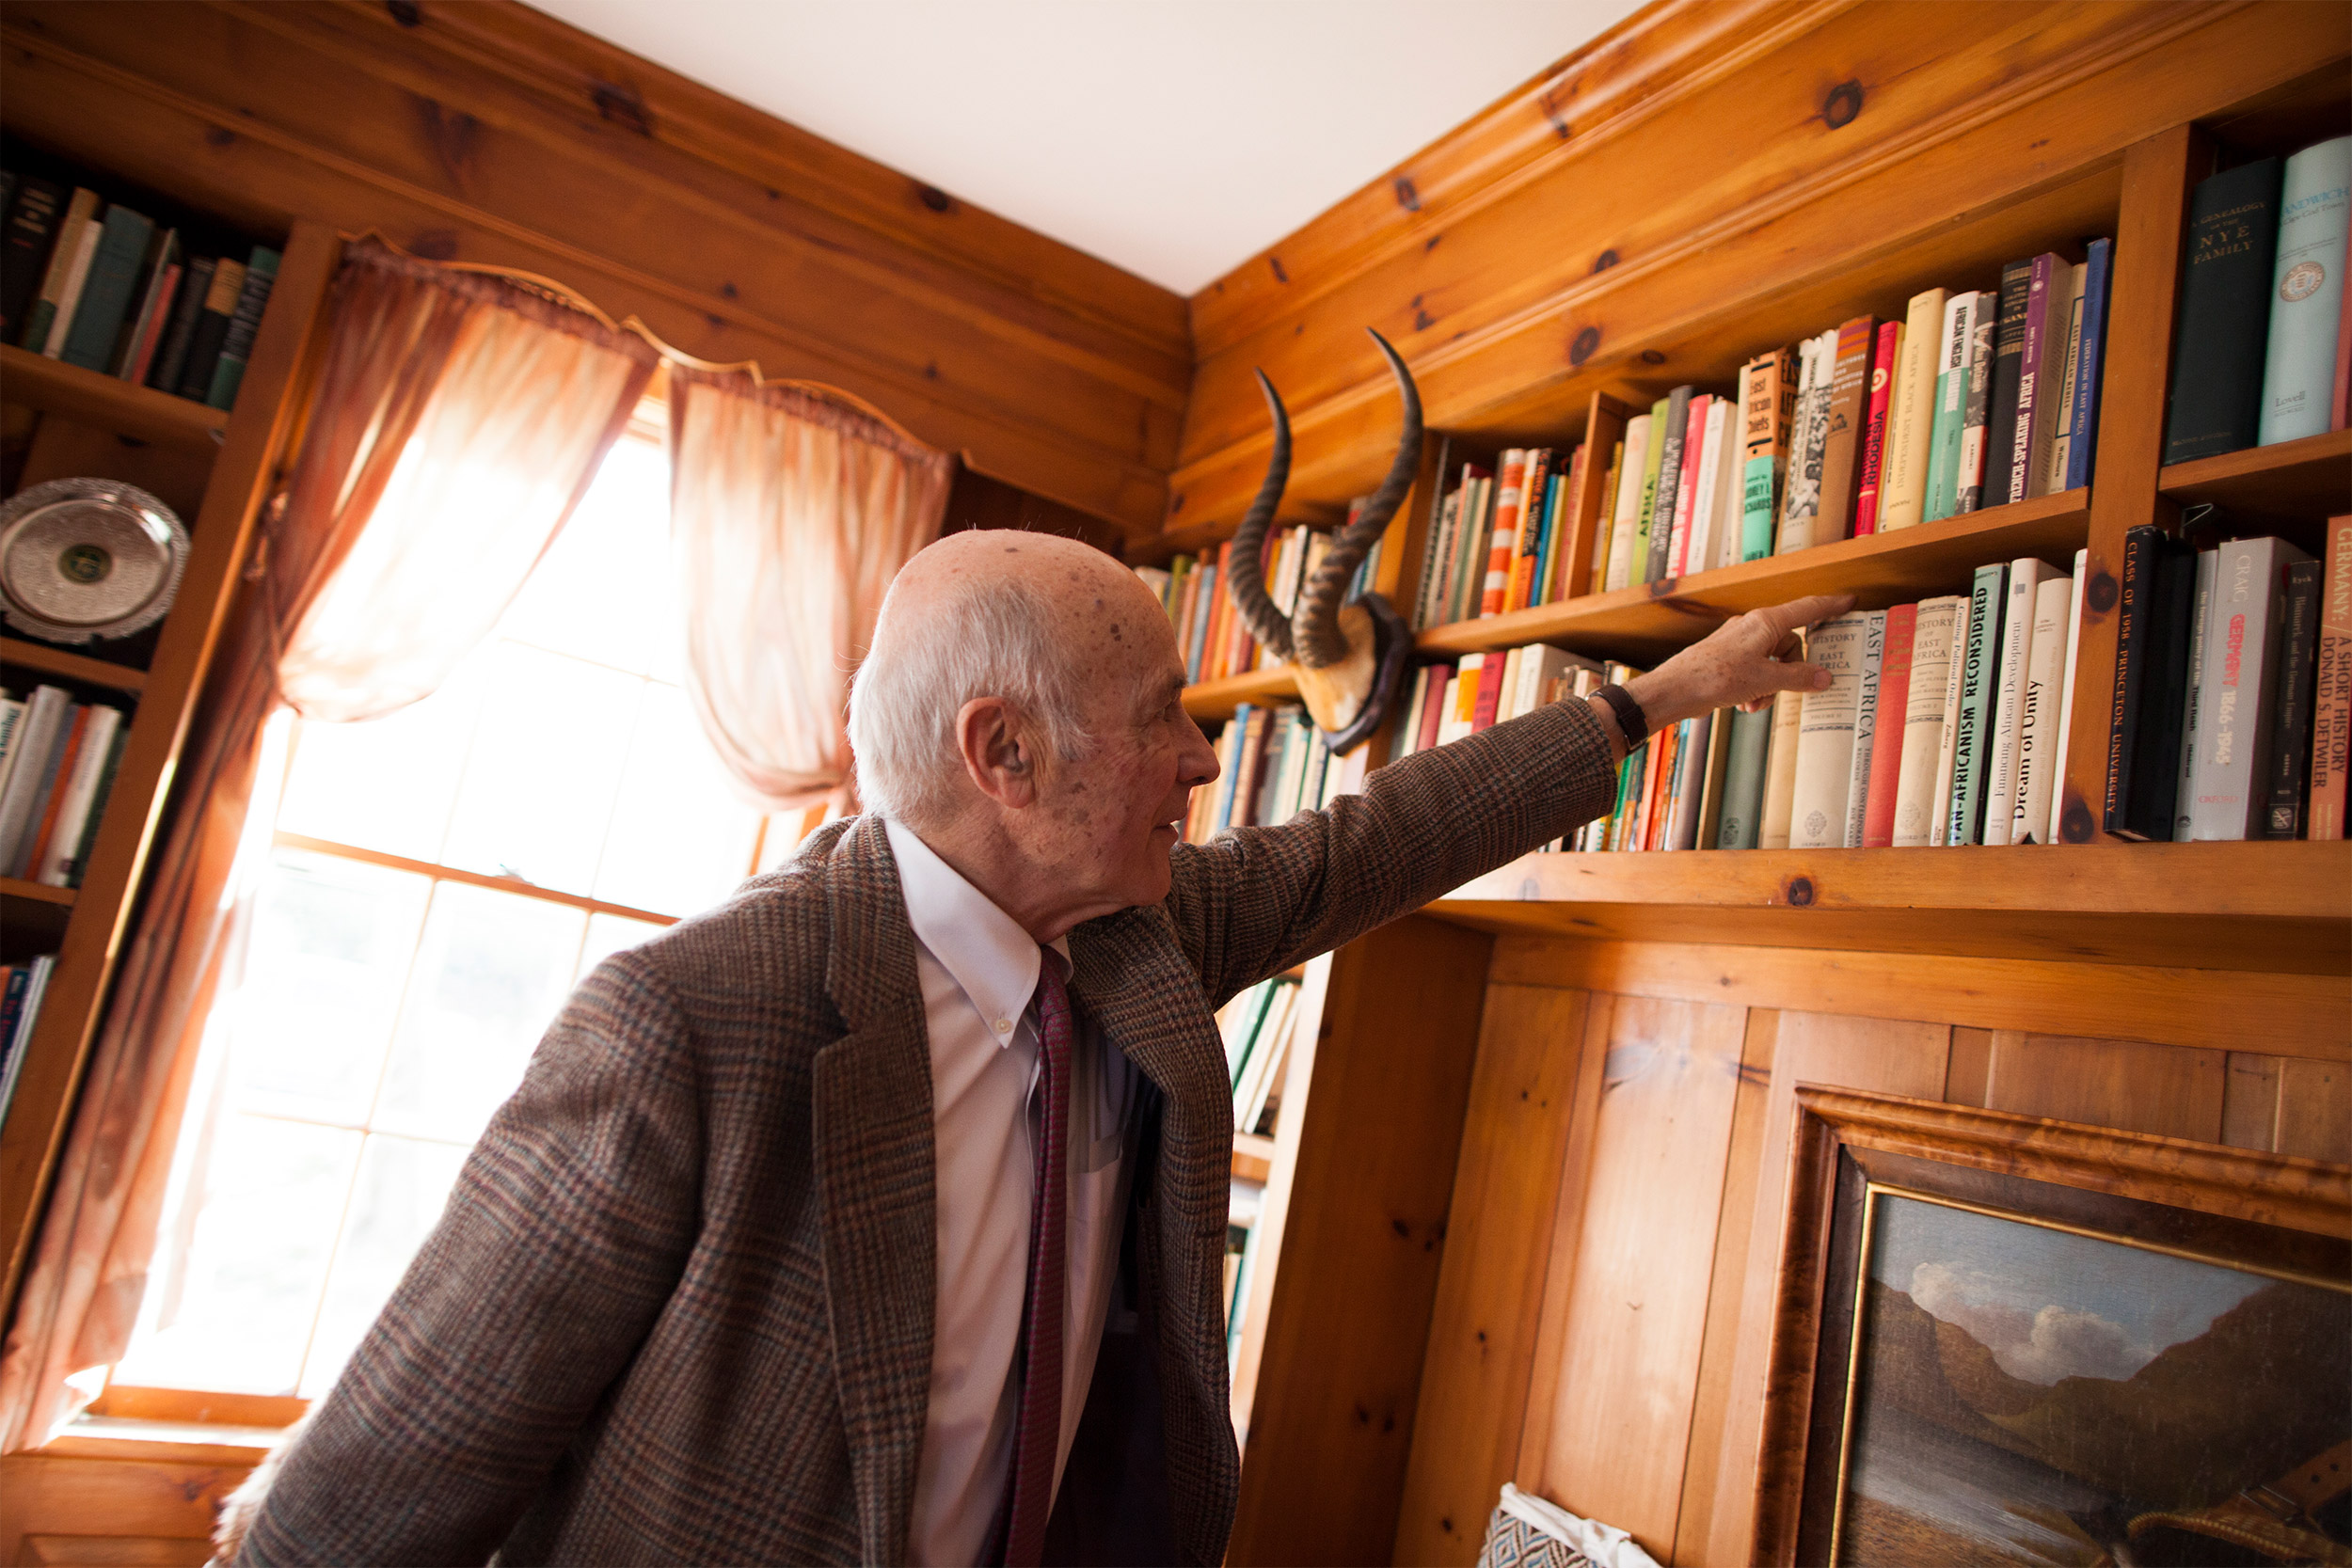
998 751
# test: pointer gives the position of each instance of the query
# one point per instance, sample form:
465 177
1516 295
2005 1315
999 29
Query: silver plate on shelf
82 558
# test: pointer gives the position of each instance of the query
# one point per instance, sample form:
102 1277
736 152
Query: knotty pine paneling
2163 1089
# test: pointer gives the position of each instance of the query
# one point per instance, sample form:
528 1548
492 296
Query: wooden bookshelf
2290 482
108 401
18 890
1253 1156
72 666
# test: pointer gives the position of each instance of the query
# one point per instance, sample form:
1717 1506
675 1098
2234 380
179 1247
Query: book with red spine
1432 708
1534 491
1687 485
2331 685
67 752
1490 691
1848 410
1888 355
1503 543
1559 524
1886 754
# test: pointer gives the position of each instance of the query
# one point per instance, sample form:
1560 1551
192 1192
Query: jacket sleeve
1253 902
564 1237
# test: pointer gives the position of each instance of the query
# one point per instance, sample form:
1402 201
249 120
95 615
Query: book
2192 699
2081 584
188 308
2038 698
1719 454
1534 505
2331 686
41 309
1472 547
2306 292
1560 493
1941 498
1605 521
1808 437
1885 357
32 754
42 825
2069 350
144 332
2009 361
1939 823
2289 763
28 1014
114 272
1864 726
1890 728
1775 825
1502 542
1968 480
2237 690
1651 477
2222 328
1717 769
1926 691
1668 491
2039 364
2008 729
35 210
1541 666
81 252
1751 735
1848 410
2341 402
212 328
54 860
1625 522
1911 417
1825 736
2143 549
1697 756
1768 406
1492 671
1979 674
1682 549
2091 357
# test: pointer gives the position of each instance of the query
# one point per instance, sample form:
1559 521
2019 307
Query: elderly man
877 1216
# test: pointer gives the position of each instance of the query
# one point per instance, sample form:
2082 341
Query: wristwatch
1631 718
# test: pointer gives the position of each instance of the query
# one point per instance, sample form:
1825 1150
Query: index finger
1786 617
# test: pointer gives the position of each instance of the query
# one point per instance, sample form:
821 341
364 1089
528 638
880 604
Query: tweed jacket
679 1306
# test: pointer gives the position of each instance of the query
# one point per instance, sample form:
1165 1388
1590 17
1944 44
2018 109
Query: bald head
1036 619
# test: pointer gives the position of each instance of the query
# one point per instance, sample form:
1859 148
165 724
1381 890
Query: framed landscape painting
2004 1340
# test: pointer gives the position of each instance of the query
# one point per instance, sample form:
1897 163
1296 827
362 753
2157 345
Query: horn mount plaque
82 558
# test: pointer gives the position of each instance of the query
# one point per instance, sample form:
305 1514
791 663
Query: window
432 886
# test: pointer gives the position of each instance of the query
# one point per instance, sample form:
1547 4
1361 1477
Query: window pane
604 591
490 974
607 935
385 784
403 1186
547 762
680 840
331 948
270 1199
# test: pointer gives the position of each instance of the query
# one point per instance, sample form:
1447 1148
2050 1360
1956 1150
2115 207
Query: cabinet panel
2141 1089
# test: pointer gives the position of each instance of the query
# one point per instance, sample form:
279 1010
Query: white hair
988 640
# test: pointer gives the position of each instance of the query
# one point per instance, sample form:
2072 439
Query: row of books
1256 1027
57 762
2262 345
1241 1235
22 987
1210 633
100 285
1497 542
1272 764
2232 690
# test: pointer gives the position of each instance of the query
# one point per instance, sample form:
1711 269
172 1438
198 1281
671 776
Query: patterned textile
1528 1531
679 1306
1037 1431
1513 1543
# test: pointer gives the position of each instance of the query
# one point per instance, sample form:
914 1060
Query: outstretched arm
1253 902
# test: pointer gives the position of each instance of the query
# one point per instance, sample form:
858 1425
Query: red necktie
1037 1431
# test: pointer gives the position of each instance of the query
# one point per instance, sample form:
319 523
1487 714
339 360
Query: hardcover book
1968 481
2025 578
2082 448
2039 365
1950 410
1848 410
34 214
2306 292
2069 347
1773 828
1939 822
1669 488
1926 693
1808 441
1911 421
1825 738
1625 524
1884 359
2222 331
2008 360
1743 780
1769 406
2331 686
1979 676
2037 704
1866 725
2192 698
1891 728
114 272
2289 765
2237 690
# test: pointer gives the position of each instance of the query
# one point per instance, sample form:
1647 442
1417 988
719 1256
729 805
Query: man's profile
877 1216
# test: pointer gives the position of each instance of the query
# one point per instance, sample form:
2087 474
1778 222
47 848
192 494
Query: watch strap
1631 718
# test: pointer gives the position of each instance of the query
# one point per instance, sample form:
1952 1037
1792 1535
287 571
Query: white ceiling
1172 137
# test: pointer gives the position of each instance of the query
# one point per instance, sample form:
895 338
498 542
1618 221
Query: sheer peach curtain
457 419
789 514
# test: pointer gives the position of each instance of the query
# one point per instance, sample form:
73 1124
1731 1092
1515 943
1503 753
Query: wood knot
1276 263
1581 347
1407 196
1651 357
1603 262
1842 105
621 106
934 199
1401 1229
2101 591
217 135
406 12
1799 892
2075 823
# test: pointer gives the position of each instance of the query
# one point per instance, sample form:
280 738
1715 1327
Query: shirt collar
981 948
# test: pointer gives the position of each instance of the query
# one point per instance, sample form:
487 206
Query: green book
1649 486
243 326
1980 675
1951 407
1744 781
114 275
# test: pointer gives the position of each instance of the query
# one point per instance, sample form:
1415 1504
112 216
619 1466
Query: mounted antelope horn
1349 655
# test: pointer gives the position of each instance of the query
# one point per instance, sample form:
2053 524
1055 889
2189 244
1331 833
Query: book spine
2291 727
2037 367
2193 698
2000 790
1773 820
1951 407
1979 674
2298 369
1848 410
1472 549
1694 515
2009 359
1694 759
1825 736
2142 546
1766 409
32 750
1801 515
244 324
54 860
2081 454
65 762
1708 834
1624 528
2238 689
2079 586
42 308
114 272
186 310
2051 477
83 257
152 324
1947 744
1560 506
1866 727
2038 711
212 328
1534 496
1605 522
1911 420
1743 780
1924 696
2340 403
1502 544
1492 672
34 214
1891 729
1975 446
1669 488
2331 686
2222 329
1885 360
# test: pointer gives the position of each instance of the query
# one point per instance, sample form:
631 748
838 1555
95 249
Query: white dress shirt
979 971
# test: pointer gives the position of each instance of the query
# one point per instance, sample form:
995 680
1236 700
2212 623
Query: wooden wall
1602 1317
487 132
